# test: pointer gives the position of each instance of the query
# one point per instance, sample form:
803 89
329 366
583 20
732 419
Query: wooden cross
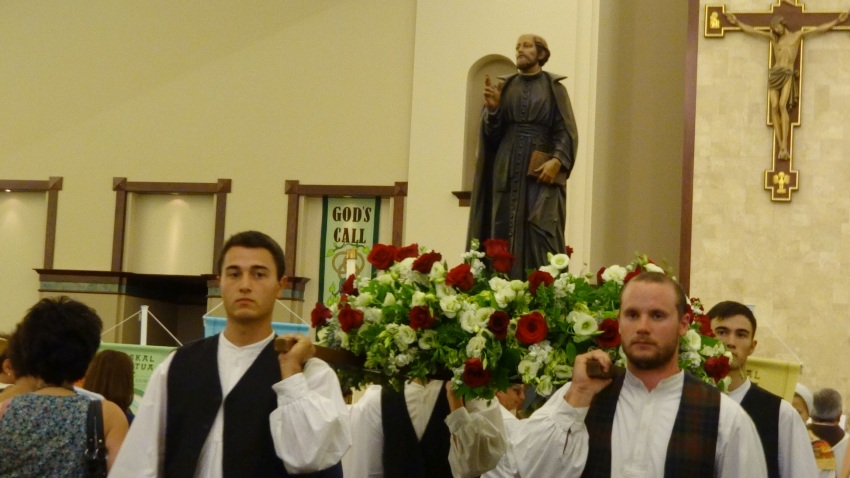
782 180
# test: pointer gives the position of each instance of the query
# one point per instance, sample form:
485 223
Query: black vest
763 408
194 397
690 452
406 457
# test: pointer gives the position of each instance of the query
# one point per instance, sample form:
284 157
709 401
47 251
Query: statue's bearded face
526 53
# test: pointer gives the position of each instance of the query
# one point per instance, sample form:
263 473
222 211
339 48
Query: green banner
348 224
145 359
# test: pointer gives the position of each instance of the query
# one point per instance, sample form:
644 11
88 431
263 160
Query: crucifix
784 27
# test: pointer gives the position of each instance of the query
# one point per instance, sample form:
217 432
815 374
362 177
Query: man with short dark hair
826 415
230 406
654 420
784 438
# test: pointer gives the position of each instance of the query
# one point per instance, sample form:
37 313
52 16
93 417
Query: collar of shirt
234 361
420 400
738 393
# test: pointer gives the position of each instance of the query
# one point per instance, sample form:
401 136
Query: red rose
632 274
403 253
502 262
320 315
538 278
461 277
424 262
493 247
569 252
610 336
349 318
474 373
381 256
704 325
421 318
348 286
531 328
498 324
717 367
599 279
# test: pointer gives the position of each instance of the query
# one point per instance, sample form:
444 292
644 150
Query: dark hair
111 375
541 46
255 240
664 279
826 405
729 308
56 340
5 348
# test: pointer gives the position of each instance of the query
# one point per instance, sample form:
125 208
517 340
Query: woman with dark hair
111 375
54 344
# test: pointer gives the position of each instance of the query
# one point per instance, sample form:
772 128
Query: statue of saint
782 78
526 151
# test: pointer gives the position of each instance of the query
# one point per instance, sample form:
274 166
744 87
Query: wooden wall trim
51 186
685 235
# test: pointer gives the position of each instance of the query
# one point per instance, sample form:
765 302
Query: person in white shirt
510 401
654 420
786 443
425 431
229 405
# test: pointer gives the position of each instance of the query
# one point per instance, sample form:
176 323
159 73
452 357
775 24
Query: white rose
475 346
505 296
544 386
417 299
404 337
363 299
389 299
427 339
563 372
650 267
692 340
558 261
438 272
528 368
615 273
451 305
402 360
691 359
385 279
518 285
372 314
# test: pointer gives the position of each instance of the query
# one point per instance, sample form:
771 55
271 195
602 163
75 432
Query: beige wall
786 259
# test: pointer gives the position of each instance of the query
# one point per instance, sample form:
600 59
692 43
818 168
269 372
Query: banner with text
349 230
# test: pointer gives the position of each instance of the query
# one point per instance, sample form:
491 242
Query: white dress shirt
310 425
507 465
554 441
477 444
795 449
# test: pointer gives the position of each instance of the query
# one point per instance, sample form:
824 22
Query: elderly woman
54 344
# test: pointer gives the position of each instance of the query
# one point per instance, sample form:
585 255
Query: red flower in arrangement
717 367
348 286
493 247
531 328
569 252
320 315
424 262
599 279
704 324
461 277
498 324
610 336
421 318
474 373
381 256
349 318
403 253
632 274
538 278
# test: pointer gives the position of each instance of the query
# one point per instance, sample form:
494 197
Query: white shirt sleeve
143 450
739 451
795 447
477 438
364 458
554 441
310 426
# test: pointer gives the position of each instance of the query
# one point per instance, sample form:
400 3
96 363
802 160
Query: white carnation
475 346
364 299
692 340
615 273
451 305
404 337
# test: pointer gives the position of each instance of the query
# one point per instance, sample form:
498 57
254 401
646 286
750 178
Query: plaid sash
693 442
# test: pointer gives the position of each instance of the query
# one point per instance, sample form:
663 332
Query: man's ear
283 281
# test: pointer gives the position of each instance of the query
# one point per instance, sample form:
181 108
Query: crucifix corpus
784 27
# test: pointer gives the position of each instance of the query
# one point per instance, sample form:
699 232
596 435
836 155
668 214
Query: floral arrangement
473 325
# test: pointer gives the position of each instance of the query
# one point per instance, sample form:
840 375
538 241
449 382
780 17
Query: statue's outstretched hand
492 94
